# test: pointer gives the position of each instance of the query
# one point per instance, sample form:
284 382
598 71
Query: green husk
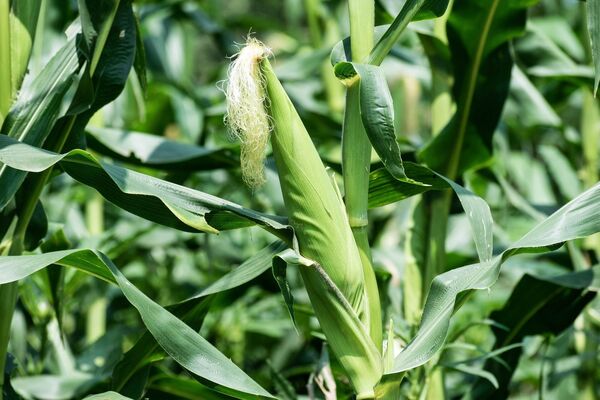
317 214
335 284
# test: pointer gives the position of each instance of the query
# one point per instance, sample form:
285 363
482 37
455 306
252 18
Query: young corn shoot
336 283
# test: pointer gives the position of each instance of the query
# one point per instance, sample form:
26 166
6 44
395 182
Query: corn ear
315 210
334 278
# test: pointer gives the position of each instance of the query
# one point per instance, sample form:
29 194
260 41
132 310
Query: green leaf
184 388
181 342
157 152
280 263
392 34
61 89
54 386
107 396
528 108
478 34
37 109
578 218
192 311
385 189
148 197
542 57
377 112
551 306
593 16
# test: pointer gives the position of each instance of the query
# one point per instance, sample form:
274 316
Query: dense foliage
426 226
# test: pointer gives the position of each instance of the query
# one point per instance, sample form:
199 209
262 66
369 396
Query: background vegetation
496 95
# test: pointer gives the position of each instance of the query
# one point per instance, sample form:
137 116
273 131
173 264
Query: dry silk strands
246 115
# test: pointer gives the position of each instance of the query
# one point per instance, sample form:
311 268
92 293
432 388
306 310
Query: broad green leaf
480 219
23 24
385 189
551 307
157 152
542 57
377 112
192 311
593 16
109 63
181 342
37 109
148 197
61 89
527 108
478 34
578 218
55 387
561 171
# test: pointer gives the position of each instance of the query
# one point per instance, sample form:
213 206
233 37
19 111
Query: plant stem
356 159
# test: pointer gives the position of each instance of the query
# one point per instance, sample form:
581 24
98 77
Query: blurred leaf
561 171
184 388
543 58
478 34
578 218
527 107
593 16
54 387
181 342
148 197
411 9
157 152
536 306
107 396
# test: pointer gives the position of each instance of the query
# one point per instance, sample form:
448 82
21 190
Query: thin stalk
5 57
96 317
9 292
356 159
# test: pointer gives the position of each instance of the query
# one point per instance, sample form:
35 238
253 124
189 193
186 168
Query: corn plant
320 220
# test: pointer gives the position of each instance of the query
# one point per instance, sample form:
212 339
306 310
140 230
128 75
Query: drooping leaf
385 189
157 152
578 218
536 306
181 342
151 198
377 113
192 311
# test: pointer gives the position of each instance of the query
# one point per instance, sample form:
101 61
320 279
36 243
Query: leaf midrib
467 97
